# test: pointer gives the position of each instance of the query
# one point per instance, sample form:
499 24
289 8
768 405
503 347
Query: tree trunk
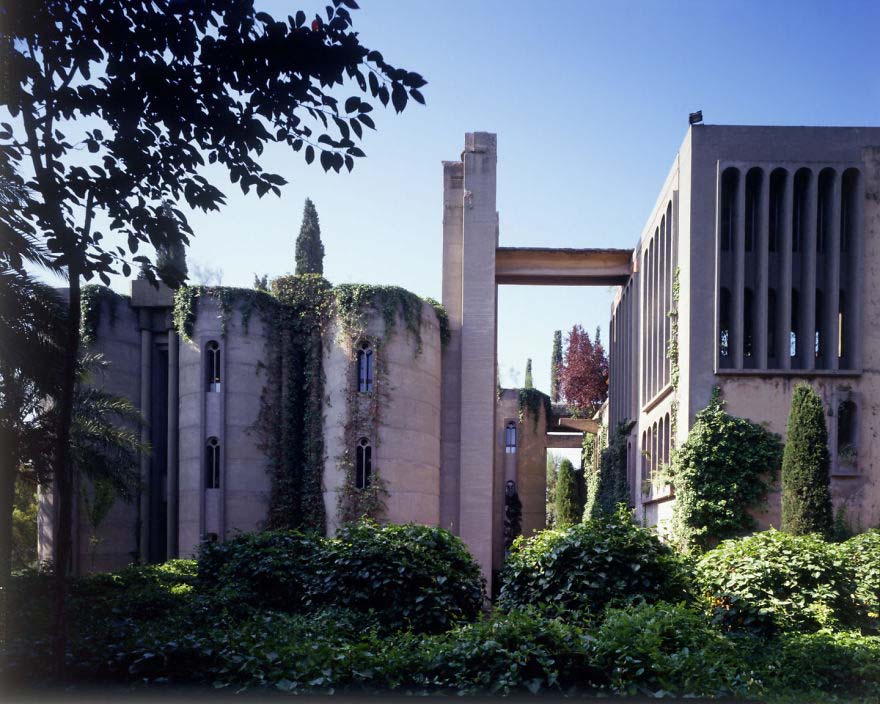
7 500
63 474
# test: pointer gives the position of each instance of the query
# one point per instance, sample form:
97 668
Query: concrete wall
406 453
230 415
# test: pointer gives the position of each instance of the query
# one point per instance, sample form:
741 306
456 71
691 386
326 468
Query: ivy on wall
530 403
672 354
92 300
607 483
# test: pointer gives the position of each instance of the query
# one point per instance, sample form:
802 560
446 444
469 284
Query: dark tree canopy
583 375
806 496
309 248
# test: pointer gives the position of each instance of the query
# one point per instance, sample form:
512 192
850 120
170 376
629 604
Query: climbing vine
92 300
607 484
530 402
245 300
672 355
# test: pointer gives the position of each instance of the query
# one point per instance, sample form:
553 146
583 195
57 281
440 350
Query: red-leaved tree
583 374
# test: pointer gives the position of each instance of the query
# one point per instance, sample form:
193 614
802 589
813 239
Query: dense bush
584 568
411 577
862 552
568 506
724 468
806 496
607 484
774 580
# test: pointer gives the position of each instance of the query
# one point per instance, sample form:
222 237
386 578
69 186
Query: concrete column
762 247
144 522
738 292
867 220
478 348
832 278
171 546
784 295
450 407
808 289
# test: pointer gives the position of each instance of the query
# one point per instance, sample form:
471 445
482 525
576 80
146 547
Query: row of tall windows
658 260
656 447
622 356
788 268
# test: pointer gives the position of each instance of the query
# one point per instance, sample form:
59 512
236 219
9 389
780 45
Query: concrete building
755 270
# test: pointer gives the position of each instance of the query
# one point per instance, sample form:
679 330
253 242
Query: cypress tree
555 361
568 505
806 496
528 384
309 248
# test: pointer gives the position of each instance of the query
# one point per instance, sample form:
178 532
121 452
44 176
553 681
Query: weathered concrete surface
562 267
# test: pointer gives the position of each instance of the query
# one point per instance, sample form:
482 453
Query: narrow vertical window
748 322
212 464
795 323
729 185
724 324
753 209
846 429
365 368
212 365
771 325
842 322
799 212
777 209
363 471
824 208
820 317
667 440
510 438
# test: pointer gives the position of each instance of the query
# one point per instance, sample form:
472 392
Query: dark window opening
846 428
842 329
795 323
823 209
724 324
363 471
820 333
771 323
365 368
510 438
212 464
748 322
729 184
753 209
212 365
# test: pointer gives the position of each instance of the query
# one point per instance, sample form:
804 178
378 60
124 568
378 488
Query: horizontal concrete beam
536 266
573 425
568 440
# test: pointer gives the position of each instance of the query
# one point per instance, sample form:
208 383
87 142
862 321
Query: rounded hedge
774 580
862 552
404 576
607 560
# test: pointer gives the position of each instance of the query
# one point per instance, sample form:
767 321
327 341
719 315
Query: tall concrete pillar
172 466
450 413
808 289
146 372
478 348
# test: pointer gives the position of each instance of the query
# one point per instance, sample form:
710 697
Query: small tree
553 461
568 505
806 497
555 363
528 383
309 248
583 376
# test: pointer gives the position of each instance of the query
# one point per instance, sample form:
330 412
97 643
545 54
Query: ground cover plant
368 612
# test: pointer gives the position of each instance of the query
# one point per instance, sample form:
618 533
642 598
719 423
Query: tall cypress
806 494
309 248
568 504
528 383
555 361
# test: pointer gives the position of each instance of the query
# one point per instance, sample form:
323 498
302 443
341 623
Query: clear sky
590 103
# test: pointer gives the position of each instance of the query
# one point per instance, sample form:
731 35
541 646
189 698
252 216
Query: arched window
365 367
729 186
212 365
212 464
724 325
363 464
510 438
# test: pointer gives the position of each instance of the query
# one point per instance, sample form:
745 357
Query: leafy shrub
410 577
414 577
775 580
568 506
724 468
806 496
665 649
862 552
607 484
607 560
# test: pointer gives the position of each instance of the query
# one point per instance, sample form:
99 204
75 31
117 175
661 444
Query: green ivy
228 299
92 300
530 402
724 469
607 484
672 354
442 319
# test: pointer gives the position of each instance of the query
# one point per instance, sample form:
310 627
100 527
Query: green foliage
528 383
553 461
568 505
171 257
94 299
806 496
607 484
355 301
862 553
309 248
403 577
775 580
584 568
724 469
442 320
530 402
555 362
24 524
512 517
665 649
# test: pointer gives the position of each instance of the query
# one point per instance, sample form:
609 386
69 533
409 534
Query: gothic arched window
212 464
212 365
510 437
363 464
365 359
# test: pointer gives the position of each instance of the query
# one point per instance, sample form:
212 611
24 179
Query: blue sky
590 103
